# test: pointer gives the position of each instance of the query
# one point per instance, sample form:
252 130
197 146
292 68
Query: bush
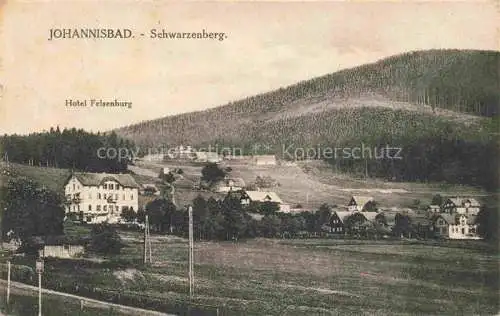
105 240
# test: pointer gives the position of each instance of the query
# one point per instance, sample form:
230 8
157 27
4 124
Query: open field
298 277
305 277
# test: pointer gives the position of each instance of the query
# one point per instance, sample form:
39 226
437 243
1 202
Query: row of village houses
101 197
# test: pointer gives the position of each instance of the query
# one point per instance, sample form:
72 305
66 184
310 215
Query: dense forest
465 81
70 148
447 127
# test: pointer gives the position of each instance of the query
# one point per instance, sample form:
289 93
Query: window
74 187
105 196
105 186
111 209
124 197
463 231
66 247
98 196
131 196
117 186
105 208
116 197
90 207
98 208
116 208
111 186
89 219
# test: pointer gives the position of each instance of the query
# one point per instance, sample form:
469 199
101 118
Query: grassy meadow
322 277
290 277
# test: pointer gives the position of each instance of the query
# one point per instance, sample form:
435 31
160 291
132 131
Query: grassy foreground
327 277
27 305
297 277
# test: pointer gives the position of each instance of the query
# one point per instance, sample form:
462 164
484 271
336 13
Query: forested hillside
458 80
71 149
413 92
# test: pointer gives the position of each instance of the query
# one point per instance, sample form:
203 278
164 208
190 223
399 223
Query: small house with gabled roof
456 226
360 203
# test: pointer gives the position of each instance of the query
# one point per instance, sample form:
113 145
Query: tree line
69 148
227 220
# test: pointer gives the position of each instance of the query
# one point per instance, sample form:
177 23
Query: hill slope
462 81
422 101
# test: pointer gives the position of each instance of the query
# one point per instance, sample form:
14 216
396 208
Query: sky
269 45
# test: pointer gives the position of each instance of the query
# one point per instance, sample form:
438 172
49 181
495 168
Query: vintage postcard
249 158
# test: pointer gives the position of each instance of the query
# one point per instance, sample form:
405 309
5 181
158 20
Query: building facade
468 206
456 226
100 197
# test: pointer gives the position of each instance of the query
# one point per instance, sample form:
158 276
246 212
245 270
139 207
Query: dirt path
21 288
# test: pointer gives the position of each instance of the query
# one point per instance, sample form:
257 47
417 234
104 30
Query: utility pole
191 253
39 270
8 282
147 241
39 294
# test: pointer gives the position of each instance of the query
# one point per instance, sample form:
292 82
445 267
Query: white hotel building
100 197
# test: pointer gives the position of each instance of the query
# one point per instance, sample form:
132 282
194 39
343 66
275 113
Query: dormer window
111 186
105 185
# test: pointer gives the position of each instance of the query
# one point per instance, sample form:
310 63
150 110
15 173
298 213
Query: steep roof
96 179
448 218
343 215
370 215
361 200
263 196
